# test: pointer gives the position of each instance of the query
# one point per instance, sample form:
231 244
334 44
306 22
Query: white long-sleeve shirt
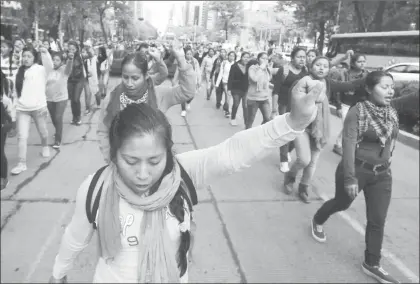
203 167
33 95
224 72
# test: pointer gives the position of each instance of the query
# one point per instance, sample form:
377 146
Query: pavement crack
35 200
8 217
233 252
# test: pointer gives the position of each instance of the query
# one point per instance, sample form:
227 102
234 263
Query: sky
159 11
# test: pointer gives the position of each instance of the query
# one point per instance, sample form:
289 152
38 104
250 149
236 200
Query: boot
303 193
288 183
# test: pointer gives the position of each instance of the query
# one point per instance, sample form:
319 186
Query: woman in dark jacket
238 86
369 138
75 83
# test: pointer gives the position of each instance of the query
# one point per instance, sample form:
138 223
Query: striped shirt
10 70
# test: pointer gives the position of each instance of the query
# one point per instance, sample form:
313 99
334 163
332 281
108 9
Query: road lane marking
390 256
44 248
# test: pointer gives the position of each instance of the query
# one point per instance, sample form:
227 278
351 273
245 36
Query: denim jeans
252 108
24 123
377 190
239 96
75 91
219 95
307 156
88 94
228 98
56 110
286 148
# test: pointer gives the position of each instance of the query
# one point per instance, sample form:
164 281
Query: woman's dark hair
295 51
354 59
102 56
316 51
319 58
371 80
186 49
211 48
232 52
260 55
11 47
139 59
140 119
74 43
22 69
59 54
244 53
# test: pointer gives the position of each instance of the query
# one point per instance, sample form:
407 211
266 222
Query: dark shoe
56 145
289 181
318 232
79 122
218 106
378 273
87 112
227 114
303 193
338 150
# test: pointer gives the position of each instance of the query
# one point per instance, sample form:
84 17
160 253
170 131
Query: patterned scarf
383 119
157 256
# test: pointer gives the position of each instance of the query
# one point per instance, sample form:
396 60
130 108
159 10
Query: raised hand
155 53
304 96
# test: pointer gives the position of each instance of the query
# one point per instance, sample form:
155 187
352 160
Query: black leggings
3 154
237 96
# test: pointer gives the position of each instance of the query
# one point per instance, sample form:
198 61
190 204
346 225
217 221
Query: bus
381 48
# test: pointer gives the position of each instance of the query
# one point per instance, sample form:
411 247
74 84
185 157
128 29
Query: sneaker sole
315 236
369 273
15 174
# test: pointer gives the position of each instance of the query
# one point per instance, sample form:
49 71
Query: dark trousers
219 96
239 96
3 154
183 105
252 108
289 147
377 190
75 91
56 110
88 94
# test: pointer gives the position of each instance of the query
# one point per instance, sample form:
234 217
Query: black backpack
92 208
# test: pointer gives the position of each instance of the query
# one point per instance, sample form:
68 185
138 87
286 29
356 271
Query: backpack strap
192 193
92 209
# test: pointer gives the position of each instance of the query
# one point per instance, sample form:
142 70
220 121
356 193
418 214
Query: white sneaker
21 167
45 152
289 158
183 113
284 167
188 106
233 122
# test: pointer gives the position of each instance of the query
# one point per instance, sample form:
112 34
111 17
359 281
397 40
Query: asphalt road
248 229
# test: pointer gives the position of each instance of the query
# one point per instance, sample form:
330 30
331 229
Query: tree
229 13
314 14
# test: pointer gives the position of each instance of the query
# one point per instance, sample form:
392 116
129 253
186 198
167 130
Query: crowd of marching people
155 189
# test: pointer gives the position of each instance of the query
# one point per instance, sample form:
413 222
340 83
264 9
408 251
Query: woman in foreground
144 216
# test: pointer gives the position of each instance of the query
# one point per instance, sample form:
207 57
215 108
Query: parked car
404 72
118 57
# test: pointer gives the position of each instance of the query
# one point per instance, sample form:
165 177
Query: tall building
196 13
138 9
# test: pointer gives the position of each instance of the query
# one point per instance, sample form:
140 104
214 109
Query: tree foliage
355 16
75 18
229 13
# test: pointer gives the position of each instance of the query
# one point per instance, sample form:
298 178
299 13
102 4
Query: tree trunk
379 17
321 38
226 29
101 21
360 21
54 30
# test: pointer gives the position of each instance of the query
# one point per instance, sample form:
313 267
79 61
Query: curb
405 138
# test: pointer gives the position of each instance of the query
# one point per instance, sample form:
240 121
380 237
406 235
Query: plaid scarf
383 119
